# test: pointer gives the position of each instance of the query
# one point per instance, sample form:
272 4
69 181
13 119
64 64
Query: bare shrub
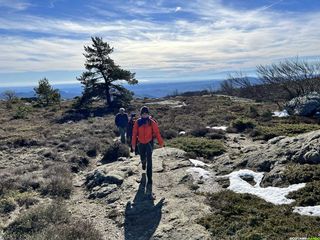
51 154
25 142
7 182
28 181
57 181
26 199
78 163
73 229
168 133
114 151
199 131
11 181
92 148
25 169
296 77
36 220
216 134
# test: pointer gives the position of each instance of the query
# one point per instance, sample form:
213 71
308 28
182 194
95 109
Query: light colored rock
303 148
306 105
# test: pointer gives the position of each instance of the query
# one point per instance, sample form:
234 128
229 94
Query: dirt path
166 209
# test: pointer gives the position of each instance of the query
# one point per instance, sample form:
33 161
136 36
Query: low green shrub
244 216
22 112
201 147
26 199
283 129
307 196
266 116
298 173
252 112
241 124
294 174
7 205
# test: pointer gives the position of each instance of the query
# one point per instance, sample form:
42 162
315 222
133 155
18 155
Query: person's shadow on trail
142 217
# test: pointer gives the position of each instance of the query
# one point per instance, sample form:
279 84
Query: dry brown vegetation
44 150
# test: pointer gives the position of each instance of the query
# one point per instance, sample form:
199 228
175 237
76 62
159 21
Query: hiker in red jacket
144 129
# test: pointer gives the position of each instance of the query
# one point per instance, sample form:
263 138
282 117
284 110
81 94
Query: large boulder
301 149
307 105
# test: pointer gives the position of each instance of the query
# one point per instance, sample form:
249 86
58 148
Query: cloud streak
219 39
17 5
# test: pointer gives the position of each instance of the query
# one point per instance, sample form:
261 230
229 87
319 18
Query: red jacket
145 132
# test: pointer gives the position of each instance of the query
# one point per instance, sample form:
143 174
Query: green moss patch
201 147
284 129
307 196
244 216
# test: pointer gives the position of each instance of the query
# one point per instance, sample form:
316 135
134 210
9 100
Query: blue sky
160 40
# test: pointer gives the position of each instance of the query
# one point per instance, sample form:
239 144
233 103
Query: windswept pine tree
46 94
102 75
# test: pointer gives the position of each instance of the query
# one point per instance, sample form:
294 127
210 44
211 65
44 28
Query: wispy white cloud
219 39
15 4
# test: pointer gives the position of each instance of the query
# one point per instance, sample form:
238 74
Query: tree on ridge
101 80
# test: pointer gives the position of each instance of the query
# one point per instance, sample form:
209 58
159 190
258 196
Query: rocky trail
122 205
118 200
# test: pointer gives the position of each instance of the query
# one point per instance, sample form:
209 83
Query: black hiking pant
145 151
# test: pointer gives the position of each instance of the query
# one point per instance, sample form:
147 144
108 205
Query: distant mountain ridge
150 90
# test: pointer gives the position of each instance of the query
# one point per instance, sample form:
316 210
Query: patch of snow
280 114
200 173
180 105
197 163
171 103
274 195
223 128
308 211
167 102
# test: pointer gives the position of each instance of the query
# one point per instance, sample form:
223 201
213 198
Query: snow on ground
274 195
283 113
309 211
197 163
171 103
199 173
223 128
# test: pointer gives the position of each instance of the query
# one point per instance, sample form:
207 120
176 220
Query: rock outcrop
308 105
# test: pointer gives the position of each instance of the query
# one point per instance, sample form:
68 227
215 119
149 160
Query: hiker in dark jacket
129 131
121 122
144 129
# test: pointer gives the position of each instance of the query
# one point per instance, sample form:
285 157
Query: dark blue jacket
121 120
